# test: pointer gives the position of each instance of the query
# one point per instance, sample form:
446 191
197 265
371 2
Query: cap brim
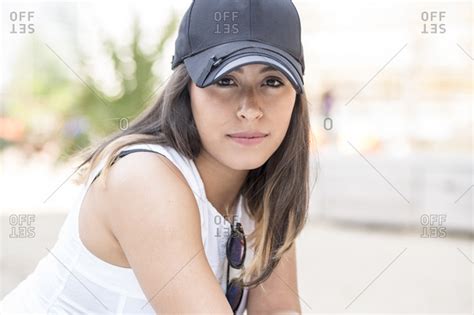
207 67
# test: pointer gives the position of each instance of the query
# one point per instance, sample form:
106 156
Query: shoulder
153 214
136 164
146 186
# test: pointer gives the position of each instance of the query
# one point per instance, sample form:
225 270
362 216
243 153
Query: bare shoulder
153 214
149 183
146 185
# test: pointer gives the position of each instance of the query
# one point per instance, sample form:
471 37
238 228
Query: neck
221 183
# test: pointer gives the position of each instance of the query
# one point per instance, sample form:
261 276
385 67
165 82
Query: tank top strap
184 165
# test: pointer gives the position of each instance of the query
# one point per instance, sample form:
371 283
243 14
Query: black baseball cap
217 36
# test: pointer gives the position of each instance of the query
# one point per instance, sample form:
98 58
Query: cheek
209 115
280 116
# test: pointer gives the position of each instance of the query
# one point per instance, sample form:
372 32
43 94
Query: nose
250 107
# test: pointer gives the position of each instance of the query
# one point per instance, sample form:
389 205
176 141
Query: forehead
258 68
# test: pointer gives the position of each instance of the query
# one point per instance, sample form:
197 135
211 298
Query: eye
274 82
226 81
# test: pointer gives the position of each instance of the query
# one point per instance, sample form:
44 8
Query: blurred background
390 85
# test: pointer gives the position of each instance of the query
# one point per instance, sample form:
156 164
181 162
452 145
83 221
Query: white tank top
70 279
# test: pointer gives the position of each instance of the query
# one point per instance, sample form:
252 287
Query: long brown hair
276 194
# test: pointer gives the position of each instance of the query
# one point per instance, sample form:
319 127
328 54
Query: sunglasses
235 251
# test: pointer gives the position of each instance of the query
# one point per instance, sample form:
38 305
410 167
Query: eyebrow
265 69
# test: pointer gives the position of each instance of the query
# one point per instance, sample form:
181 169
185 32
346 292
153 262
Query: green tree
95 113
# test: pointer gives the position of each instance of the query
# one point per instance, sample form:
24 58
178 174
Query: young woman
196 207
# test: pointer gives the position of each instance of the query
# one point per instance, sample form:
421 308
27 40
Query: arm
279 294
154 216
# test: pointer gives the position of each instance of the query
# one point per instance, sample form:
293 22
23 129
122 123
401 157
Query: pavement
342 267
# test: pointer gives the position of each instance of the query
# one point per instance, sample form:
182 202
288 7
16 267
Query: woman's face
253 98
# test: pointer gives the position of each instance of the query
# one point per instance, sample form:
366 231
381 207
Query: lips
248 134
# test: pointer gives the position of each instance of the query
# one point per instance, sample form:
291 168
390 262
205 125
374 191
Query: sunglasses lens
234 294
236 250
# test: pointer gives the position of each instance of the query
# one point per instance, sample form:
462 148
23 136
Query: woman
196 206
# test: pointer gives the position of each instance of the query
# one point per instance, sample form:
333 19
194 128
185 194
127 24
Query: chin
243 163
